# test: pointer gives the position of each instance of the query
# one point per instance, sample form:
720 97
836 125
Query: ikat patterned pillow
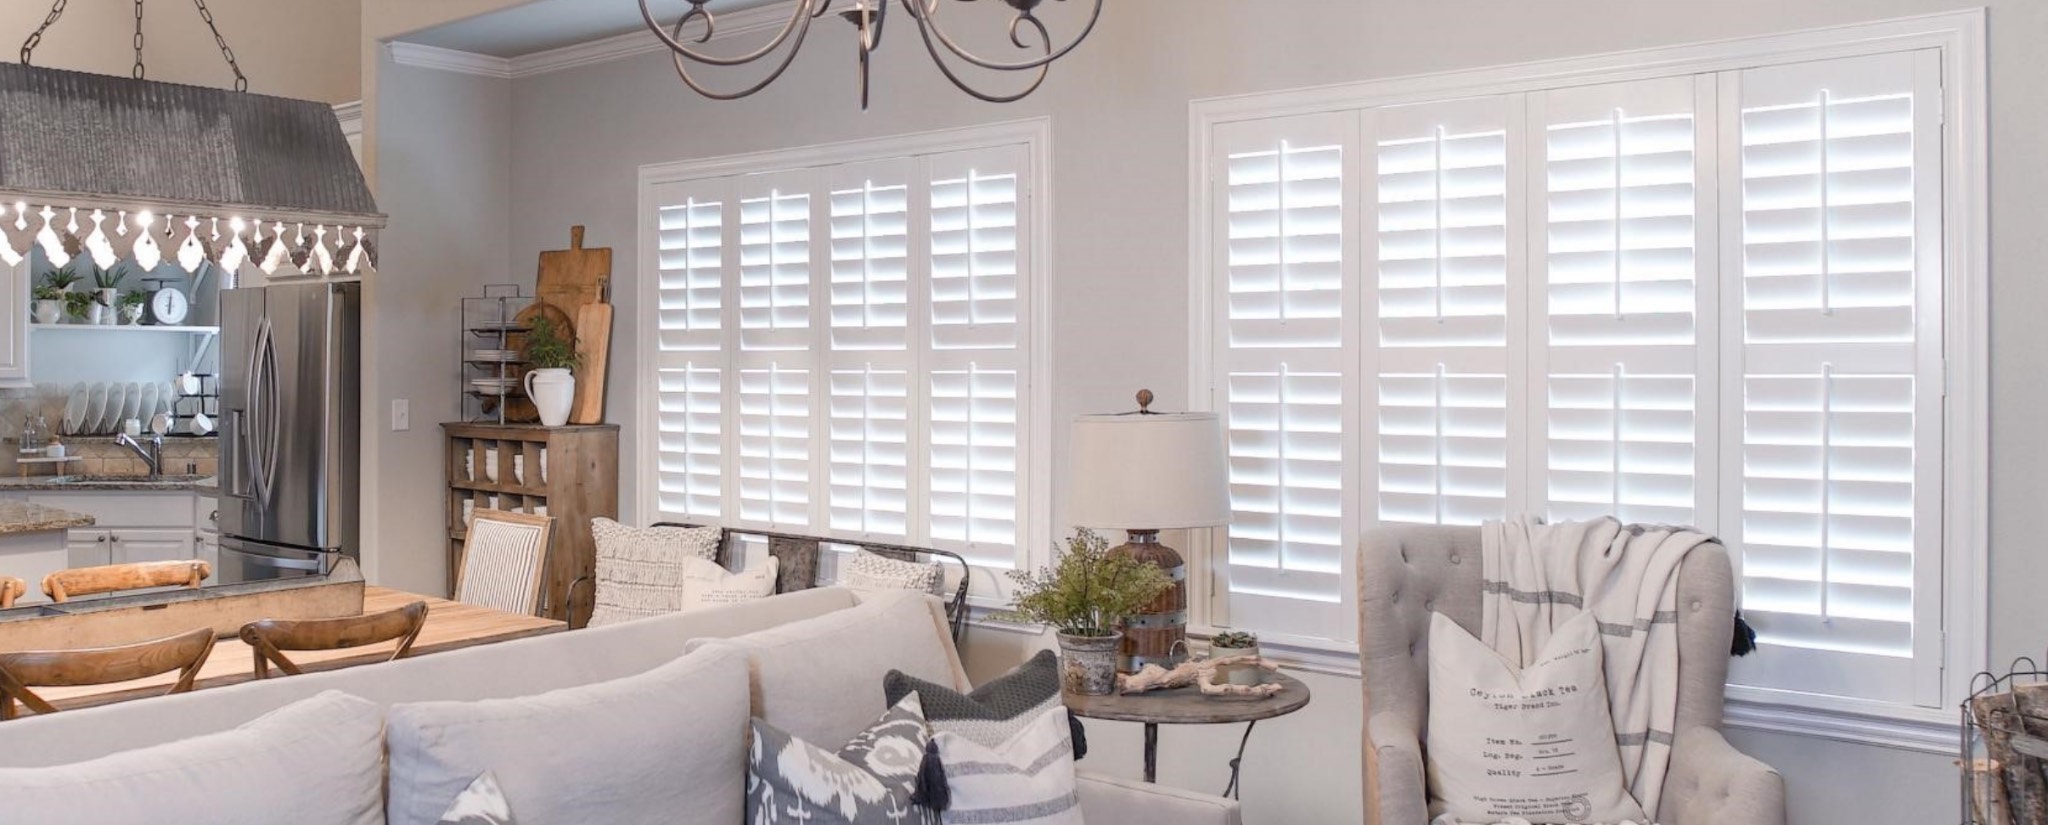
872 780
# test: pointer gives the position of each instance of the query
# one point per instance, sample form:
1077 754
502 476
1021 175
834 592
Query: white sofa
816 664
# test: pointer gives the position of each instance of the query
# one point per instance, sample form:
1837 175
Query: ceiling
550 24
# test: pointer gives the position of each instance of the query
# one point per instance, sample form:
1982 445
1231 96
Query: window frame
1032 139
1959 38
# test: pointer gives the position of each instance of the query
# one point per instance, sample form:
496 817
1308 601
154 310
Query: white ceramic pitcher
553 392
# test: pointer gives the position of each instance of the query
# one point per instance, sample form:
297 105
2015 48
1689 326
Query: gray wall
1119 107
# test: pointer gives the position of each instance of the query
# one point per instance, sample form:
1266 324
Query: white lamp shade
1148 472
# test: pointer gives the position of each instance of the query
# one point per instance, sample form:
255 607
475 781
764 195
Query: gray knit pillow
997 710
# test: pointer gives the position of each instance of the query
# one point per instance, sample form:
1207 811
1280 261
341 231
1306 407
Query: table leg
1238 761
1151 752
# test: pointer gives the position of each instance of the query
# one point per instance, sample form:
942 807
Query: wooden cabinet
570 473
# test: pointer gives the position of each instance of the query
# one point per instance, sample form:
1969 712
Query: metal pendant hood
88 140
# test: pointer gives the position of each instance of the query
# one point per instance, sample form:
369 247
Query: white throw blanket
1538 576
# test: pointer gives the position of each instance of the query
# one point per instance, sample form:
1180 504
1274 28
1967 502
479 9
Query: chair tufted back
1405 573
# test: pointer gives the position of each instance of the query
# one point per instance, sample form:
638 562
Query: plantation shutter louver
776 361
1835 378
1437 361
689 359
976 345
1284 256
869 389
1621 270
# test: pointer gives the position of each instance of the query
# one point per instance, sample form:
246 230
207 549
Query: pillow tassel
1078 734
932 790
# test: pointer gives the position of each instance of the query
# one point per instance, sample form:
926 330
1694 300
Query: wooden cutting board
593 345
575 277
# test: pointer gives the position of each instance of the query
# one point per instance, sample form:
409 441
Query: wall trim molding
448 60
1930 731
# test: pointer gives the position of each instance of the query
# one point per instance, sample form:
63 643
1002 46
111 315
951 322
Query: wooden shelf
499 489
582 483
107 328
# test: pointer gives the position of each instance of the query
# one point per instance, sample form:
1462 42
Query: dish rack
490 353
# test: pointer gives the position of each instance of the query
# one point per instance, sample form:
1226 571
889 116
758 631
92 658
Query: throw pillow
870 572
640 569
314 762
994 712
874 779
482 803
662 746
706 584
1028 778
1537 744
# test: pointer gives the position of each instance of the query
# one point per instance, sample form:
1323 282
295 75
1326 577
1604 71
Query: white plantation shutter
870 451
689 233
869 388
1283 255
775 445
975 354
1436 356
775 265
1834 376
1621 270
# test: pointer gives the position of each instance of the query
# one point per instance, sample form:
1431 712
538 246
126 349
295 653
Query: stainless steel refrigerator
290 429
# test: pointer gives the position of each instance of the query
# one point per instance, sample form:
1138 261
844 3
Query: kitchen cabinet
14 305
132 526
88 547
132 545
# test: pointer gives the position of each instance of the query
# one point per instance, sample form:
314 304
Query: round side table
1187 706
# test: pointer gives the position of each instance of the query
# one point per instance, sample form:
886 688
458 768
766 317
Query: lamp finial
1144 401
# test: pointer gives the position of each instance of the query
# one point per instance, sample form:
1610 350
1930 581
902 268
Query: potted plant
79 306
550 384
107 283
1085 597
131 306
1236 643
49 303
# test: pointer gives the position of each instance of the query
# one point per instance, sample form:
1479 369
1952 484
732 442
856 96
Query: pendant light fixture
1026 32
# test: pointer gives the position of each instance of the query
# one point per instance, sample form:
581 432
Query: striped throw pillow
1027 780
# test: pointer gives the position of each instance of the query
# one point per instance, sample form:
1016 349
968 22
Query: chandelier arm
926 12
798 21
940 61
683 70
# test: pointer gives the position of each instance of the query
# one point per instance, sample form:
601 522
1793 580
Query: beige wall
1119 109
292 48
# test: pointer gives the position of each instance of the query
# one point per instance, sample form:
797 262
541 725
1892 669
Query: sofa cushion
821 679
640 570
870 780
313 762
1027 779
664 746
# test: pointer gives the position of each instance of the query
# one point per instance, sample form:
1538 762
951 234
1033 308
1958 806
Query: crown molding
769 18
448 60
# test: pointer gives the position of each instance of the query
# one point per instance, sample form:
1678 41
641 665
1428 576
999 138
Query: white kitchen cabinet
134 545
14 306
31 556
88 547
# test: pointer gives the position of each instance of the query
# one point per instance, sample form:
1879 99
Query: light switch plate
401 415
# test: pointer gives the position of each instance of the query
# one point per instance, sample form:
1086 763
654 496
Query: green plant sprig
1088 591
547 348
111 277
76 303
63 277
133 298
1234 639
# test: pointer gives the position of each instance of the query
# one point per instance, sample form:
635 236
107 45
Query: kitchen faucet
151 452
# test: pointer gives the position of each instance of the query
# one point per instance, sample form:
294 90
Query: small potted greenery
550 384
131 306
80 306
107 286
1236 643
49 303
1086 596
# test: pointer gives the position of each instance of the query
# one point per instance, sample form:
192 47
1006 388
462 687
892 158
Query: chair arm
1107 799
1712 783
1394 756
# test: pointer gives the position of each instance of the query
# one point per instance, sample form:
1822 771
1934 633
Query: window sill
1921 730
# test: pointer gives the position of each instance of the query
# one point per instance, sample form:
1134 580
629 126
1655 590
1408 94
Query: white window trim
990 588
1960 37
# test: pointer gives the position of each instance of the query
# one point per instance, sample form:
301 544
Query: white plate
74 409
133 409
96 407
147 412
117 400
167 398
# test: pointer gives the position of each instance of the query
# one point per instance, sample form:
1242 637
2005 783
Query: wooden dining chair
24 670
503 561
62 585
11 588
270 638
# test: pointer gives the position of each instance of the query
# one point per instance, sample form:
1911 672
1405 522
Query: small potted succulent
1236 643
82 308
131 306
49 303
1085 596
106 288
550 384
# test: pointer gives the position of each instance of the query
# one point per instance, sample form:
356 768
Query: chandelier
1026 32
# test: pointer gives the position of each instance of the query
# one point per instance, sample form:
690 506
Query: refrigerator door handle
271 404
239 475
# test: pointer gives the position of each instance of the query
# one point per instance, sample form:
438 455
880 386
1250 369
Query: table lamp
1143 472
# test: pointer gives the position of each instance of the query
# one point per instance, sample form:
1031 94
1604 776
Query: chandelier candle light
699 24
1144 472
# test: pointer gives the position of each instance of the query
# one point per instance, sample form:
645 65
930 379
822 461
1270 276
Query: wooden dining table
450 625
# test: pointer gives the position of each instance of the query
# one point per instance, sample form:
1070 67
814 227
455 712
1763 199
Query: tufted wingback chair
1405 573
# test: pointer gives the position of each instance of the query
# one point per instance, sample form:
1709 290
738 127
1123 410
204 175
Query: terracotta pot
1088 663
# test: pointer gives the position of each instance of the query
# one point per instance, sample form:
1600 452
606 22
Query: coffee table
1188 706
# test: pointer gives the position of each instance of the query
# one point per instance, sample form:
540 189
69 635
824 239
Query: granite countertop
171 483
23 517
